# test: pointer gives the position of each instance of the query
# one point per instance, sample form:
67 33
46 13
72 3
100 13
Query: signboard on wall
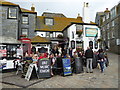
91 32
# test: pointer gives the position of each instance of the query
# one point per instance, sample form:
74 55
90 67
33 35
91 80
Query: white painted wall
87 39
71 29
42 34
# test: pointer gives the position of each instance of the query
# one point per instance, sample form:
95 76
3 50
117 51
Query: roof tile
60 23
38 39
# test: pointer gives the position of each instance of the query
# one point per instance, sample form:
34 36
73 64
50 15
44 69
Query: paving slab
13 79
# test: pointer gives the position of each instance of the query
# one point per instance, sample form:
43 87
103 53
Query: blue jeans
102 65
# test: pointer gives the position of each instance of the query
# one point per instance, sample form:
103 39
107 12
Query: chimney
33 8
79 17
106 10
86 16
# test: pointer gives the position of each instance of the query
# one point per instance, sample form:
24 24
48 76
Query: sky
70 8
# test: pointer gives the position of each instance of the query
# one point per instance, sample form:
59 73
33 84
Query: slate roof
3 2
27 11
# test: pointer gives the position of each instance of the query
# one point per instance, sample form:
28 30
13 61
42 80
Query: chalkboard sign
31 69
78 65
44 68
66 66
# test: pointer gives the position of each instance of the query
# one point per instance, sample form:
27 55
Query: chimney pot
33 8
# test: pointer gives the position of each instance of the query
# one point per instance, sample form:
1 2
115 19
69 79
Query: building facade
52 25
15 23
109 22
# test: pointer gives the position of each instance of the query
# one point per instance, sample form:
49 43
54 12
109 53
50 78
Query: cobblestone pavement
108 79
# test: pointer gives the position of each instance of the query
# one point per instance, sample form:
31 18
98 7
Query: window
108 26
91 44
51 34
47 34
108 35
25 32
49 21
103 28
113 23
25 19
96 45
73 44
78 27
104 19
109 44
113 12
12 13
113 36
72 35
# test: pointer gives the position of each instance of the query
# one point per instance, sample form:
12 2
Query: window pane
12 13
24 31
78 27
25 19
49 21
47 34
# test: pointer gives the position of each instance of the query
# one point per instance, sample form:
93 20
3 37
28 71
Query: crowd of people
88 58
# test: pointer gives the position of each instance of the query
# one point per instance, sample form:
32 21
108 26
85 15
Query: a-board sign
66 66
44 68
30 71
78 65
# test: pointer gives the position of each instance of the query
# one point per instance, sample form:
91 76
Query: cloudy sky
70 8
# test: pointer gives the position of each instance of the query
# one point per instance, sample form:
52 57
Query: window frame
22 31
46 23
23 20
9 16
47 34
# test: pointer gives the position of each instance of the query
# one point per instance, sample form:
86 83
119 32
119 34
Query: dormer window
49 21
12 13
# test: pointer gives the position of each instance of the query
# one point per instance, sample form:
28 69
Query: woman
101 59
53 60
35 58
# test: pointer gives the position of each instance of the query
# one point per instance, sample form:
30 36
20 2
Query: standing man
89 57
